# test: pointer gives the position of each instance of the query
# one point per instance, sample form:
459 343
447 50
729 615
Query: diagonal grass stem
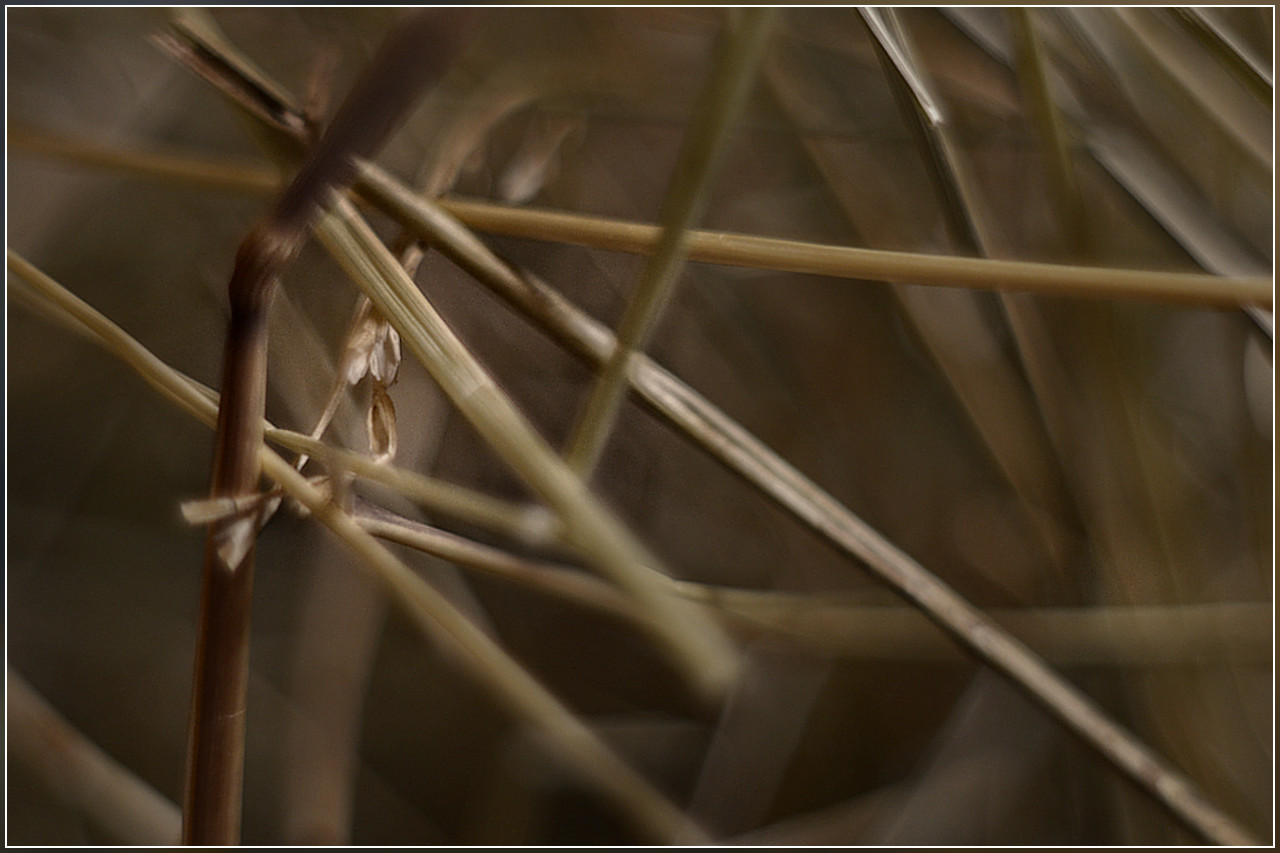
687 196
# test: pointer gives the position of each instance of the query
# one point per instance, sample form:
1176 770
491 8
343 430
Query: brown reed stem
413 55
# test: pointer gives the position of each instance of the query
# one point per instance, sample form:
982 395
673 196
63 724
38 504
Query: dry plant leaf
248 514
382 424
384 359
374 350
208 510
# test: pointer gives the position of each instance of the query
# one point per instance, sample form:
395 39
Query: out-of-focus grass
1144 445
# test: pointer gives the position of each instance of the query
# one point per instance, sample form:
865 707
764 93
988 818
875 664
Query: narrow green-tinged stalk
1033 75
687 195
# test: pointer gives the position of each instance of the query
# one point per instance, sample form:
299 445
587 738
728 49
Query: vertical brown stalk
414 55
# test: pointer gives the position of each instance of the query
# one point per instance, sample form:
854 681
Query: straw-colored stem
181 167
718 247
768 253
584 752
844 625
82 776
560 581
686 201
698 646
573 742
746 455
850 628
531 525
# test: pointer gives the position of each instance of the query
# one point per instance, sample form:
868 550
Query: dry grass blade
1116 570
415 54
742 250
1202 80
836 625
704 654
1225 288
571 739
850 629
1033 76
551 579
531 525
1154 178
1248 65
749 457
196 171
88 780
930 126
687 196
954 325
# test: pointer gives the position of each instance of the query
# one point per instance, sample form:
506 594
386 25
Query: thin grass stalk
743 453
833 624
1228 110
553 579
1202 277
687 195
923 114
177 166
1010 417
697 645
724 248
769 253
84 778
531 525
572 741
1144 171
1251 69
1033 75
839 624
701 649
849 628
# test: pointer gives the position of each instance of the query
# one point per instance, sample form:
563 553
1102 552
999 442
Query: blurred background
1036 453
